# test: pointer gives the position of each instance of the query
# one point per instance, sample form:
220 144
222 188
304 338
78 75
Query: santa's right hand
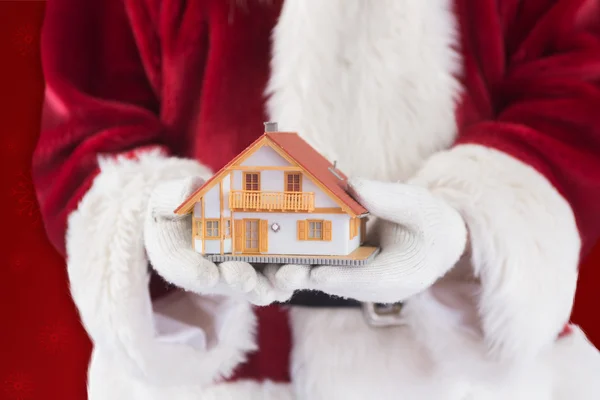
168 241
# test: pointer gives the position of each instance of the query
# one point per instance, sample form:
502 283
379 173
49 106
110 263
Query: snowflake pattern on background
24 193
54 337
26 40
18 386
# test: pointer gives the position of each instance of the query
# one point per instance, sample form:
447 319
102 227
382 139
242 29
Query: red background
43 349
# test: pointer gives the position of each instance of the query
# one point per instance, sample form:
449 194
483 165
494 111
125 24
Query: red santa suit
492 105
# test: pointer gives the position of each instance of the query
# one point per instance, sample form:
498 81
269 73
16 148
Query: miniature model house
278 201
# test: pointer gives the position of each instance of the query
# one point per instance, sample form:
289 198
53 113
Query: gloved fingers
266 292
413 207
238 276
327 277
187 270
291 277
399 272
387 268
413 216
373 282
347 282
167 196
169 249
265 279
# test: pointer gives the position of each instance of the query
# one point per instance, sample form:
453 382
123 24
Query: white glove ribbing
168 240
421 236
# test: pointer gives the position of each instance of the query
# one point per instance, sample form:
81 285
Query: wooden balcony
245 200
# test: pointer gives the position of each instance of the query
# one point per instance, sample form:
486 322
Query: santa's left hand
421 238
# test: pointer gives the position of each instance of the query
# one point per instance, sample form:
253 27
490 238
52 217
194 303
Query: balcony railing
271 201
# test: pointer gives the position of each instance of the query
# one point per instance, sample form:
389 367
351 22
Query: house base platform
361 256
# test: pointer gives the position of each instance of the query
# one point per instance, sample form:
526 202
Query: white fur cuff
181 339
524 242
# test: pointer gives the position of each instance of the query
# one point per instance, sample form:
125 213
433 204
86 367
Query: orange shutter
263 236
238 240
352 228
301 230
327 230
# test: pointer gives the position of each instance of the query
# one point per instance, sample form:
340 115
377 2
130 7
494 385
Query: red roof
307 158
318 166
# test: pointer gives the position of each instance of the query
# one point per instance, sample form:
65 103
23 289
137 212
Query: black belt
313 298
376 314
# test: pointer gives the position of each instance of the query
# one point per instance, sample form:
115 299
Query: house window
212 228
293 182
252 181
315 230
199 228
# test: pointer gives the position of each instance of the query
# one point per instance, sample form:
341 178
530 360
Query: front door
251 235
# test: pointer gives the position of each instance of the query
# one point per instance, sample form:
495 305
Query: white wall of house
285 241
212 202
265 156
214 246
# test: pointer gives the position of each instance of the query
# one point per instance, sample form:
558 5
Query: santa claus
470 129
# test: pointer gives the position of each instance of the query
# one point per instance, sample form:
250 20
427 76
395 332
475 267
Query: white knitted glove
421 238
168 240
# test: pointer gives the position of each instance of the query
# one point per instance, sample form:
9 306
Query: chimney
271 127
333 170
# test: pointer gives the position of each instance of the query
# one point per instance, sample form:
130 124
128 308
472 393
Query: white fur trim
181 338
250 390
109 381
371 84
524 245
337 356
577 367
